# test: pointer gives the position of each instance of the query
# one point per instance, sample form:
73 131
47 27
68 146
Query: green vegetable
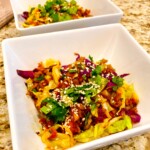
88 99
120 125
85 136
42 10
94 110
86 118
73 2
58 114
91 58
92 133
72 70
72 10
51 12
118 81
84 77
31 9
40 78
55 17
88 90
128 122
98 79
97 70
54 110
48 5
34 90
59 1
98 130
101 81
64 17
66 9
45 109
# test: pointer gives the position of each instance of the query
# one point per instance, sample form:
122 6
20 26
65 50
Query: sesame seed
83 119
88 63
87 69
65 82
81 98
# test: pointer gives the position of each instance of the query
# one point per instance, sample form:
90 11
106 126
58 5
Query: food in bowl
54 11
81 101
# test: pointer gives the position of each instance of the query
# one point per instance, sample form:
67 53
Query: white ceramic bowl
103 11
112 42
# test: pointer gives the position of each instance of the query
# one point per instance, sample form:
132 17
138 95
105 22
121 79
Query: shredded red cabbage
124 75
109 76
85 72
135 117
64 69
110 84
88 63
65 66
78 56
25 74
25 14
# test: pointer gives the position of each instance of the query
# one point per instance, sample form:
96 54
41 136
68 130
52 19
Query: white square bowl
103 11
112 42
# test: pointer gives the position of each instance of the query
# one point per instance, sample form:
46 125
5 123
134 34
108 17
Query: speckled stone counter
136 19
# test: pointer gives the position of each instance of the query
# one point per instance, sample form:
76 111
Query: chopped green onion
91 58
96 71
72 71
40 78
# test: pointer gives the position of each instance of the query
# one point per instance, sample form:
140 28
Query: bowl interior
112 42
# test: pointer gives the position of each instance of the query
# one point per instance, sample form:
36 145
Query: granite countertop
136 19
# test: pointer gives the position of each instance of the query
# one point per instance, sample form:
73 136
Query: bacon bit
116 100
46 123
53 133
76 81
131 102
87 12
101 115
106 94
113 113
74 127
37 132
